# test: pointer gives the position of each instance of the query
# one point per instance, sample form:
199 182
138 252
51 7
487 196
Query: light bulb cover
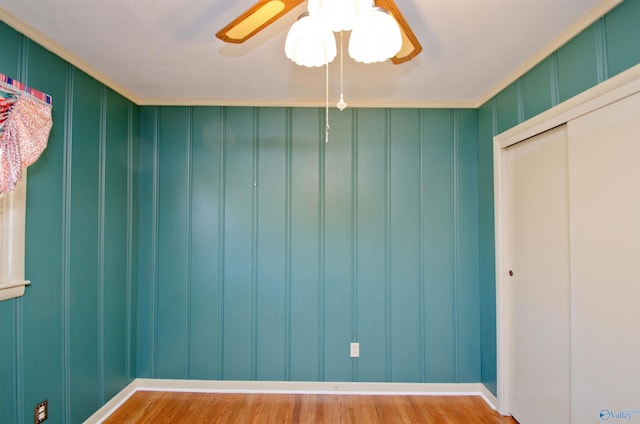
309 43
376 36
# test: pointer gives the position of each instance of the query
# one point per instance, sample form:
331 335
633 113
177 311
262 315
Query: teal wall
71 338
265 251
606 48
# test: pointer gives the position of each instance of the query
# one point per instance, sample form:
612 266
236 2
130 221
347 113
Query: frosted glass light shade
309 43
339 15
375 37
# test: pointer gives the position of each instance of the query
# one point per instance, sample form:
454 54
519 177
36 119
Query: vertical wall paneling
271 221
188 242
508 103
602 68
321 226
281 268
132 265
42 309
354 238
578 63
102 150
387 249
404 244
238 310
147 242
421 231
337 299
172 236
130 248
206 200
454 236
536 89
371 245
84 248
116 308
18 374
9 406
221 242
66 250
305 307
287 249
486 246
65 338
299 247
466 260
555 87
10 41
622 32
437 219
255 166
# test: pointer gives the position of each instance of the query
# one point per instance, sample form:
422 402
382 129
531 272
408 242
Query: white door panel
538 239
604 164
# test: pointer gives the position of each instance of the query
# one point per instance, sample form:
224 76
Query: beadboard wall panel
69 339
206 244
622 32
273 249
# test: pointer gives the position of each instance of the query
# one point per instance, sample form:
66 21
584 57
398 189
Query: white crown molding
374 103
291 387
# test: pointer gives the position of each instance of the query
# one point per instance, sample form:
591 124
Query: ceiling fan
265 12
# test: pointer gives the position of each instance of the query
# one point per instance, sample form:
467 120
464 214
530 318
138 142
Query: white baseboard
292 387
489 397
110 407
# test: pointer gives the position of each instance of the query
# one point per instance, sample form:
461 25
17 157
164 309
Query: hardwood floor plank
192 408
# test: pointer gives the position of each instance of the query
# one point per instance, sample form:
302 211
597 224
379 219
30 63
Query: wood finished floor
193 408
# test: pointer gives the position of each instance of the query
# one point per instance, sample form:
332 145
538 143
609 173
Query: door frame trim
616 88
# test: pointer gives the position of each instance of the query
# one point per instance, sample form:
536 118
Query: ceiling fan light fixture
309 43
338 15
265 12
376 37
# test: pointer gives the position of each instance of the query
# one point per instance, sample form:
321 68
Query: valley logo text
607 414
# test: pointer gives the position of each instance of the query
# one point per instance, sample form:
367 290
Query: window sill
12 290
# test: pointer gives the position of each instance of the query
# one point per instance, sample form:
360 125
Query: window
12 229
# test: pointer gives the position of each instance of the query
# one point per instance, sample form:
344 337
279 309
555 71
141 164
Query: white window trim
12 235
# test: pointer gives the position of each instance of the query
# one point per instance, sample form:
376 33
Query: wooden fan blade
410 45
254 19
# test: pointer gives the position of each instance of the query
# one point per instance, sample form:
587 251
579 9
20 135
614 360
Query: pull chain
326 114
341 104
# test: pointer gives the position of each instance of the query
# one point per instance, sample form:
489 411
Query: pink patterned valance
25 124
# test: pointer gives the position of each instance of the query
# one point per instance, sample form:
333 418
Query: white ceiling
165 51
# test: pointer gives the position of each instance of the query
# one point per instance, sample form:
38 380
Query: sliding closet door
604 164
539 291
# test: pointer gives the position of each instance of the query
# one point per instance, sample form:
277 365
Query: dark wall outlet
40 412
